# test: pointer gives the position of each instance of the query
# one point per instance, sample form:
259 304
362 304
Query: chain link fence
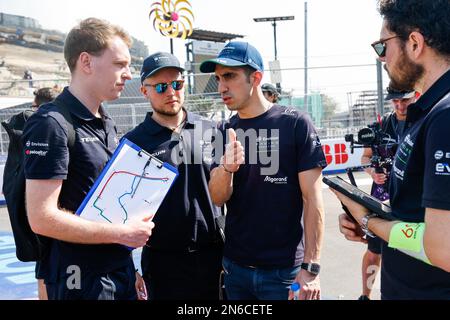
202 98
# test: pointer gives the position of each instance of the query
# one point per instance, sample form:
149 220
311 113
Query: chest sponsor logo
402 157
30 144
442 169
439 155
90 140
276 180
39 153
290 111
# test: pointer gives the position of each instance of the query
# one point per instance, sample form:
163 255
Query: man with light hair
64 155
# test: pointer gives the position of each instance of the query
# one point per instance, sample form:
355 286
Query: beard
406 74
168 112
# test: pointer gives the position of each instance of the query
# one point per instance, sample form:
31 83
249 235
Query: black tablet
359 196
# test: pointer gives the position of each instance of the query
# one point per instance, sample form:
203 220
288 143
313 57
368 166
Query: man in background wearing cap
270 92
264 248
392 125
182 261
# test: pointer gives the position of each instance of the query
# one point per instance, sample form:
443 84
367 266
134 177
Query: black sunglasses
380 46
176 85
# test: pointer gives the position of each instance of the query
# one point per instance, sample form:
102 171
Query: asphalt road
341 260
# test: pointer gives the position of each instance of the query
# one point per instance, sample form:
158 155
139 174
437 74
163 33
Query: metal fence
202 98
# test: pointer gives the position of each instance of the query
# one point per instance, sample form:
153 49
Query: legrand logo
276 180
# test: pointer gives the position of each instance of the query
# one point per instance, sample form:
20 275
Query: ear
257 76
85 62
144 90
417 43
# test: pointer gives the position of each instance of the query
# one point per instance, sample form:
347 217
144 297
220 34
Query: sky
339 34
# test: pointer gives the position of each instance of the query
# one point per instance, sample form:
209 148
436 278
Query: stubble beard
407 73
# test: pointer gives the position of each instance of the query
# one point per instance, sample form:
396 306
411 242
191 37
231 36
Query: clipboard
132 185
366 200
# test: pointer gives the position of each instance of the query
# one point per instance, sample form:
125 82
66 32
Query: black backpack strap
64 110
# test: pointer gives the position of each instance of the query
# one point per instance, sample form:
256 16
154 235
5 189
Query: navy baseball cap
158 61
399 94
235 54
268 87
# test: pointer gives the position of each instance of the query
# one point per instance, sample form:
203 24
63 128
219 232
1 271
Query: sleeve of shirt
45 148
308 146
218 141
436 183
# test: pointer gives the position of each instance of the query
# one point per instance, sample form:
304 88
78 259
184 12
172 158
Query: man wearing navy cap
182 261
270 92
269 174
392 125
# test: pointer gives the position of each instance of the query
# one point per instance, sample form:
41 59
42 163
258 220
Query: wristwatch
365 224
313 268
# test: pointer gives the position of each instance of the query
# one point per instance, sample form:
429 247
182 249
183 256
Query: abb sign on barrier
338 155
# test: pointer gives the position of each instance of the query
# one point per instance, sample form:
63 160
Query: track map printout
133 184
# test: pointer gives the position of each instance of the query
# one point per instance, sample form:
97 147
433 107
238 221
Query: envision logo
276 180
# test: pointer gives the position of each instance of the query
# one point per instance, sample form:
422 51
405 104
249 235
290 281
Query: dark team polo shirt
186 218
263 225
420 179
47 156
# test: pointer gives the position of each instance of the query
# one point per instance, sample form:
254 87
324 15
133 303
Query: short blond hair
93 36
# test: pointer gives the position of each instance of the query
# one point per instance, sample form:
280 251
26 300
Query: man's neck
255 107
434 70
86 97
174 123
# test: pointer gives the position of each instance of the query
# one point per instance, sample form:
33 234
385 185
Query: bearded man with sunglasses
183 259
415 46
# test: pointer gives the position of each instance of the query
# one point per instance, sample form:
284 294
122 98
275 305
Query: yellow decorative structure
172 18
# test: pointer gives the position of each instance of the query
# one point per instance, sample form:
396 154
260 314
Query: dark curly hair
429 17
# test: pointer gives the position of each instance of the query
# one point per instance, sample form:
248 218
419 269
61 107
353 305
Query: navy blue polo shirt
186 217
263 225
47 156
420 179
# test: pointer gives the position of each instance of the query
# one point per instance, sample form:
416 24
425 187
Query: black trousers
182 275
115 285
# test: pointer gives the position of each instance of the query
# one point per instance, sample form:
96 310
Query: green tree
329 106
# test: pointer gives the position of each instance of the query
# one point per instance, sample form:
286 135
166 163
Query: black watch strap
313 268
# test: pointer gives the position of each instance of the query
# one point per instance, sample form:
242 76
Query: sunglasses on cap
380 46
176 85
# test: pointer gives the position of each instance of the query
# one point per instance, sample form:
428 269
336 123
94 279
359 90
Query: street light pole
274 24
306 58
275 38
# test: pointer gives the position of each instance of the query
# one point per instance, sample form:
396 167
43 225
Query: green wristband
408 238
